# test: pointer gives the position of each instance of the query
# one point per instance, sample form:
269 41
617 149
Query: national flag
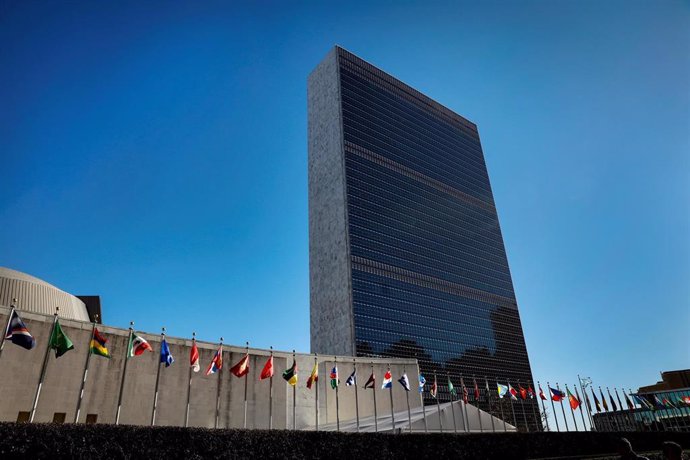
585 382
422 382
352 379
267 371
596 401
290 375
603 400
371 383
314 376
434 389
556 395
451 388
574 402
476 391
59 341
685 399
657 402
242 367
667 402
627 401
523 392
194 357
488 392
18 333
97 344
166 356
335 381
404 382
502 390
387 380
513 392
137 346
465 393
541 394
613 403
216 362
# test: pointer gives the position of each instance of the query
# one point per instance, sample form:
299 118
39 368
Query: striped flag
216 363
97 344
18 333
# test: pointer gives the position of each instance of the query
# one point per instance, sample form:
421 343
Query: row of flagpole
18 333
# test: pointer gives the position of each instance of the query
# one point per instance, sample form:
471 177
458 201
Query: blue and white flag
352 379
166 357
404 382
18 333
422 382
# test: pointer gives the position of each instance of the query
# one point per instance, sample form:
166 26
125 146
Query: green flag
451 389
59 341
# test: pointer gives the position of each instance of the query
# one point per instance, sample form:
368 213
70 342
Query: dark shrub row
131 442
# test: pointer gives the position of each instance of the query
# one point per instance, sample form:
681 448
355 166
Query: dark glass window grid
370 111
446 247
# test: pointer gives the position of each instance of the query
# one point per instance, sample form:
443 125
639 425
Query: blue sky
154 153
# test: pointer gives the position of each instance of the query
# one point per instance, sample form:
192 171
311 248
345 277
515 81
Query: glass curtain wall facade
426 267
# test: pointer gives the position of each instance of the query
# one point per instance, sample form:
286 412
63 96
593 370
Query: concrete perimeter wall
21 371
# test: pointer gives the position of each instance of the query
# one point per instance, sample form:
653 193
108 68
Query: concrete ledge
109 441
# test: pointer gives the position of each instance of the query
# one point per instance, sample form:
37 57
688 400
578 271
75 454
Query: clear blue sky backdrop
155 153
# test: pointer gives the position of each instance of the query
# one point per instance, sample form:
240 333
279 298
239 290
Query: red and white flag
194 357
137 346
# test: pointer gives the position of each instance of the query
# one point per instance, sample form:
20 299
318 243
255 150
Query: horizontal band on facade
407 276
411 173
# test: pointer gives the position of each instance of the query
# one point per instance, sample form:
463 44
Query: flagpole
537 422
294 394
246 377
476 400
354 363
43 368
373 390
220 348
7 325
582 415
572 411
488 395
86 371
553 406
452 406
512 407
500 406
407 397
421 398
465 401
589 406
189 387
543 409
158 376
522 405
270 394
124 372
317 391
337 408
565 420
627 414
390 393
438 405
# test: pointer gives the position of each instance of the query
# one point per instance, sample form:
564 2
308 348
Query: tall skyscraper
406 256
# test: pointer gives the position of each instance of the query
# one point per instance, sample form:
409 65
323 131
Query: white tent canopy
467 420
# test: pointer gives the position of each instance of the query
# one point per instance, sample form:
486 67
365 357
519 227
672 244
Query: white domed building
37 296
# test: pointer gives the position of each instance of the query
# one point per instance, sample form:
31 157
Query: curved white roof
35 295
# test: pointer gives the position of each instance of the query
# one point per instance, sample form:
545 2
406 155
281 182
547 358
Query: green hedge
132 442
